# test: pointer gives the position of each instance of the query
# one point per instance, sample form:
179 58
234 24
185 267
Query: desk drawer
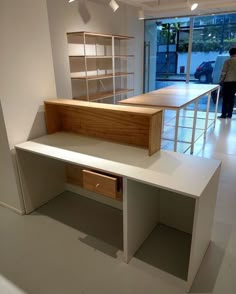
100 183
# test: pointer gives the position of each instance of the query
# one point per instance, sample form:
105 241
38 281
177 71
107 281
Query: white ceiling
166 8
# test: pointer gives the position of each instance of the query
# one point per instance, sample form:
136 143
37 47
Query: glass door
164 58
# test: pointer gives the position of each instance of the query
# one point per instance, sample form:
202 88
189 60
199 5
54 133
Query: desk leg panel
41 179
194 126
202 227
176 211
176 130
207 114
216 107
141 214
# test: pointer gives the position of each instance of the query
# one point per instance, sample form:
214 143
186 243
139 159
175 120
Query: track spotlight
194 6
140 14
114 6
191 5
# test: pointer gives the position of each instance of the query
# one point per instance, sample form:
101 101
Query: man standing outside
228 83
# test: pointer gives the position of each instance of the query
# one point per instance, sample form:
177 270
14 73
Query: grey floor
74 245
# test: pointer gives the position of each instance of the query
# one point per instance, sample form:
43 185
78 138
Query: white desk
173 189
177 97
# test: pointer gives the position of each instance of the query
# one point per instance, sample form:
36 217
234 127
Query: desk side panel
177 211
155 133
52 118
41 179
202 227
141 214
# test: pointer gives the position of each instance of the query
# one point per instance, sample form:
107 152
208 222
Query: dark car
204 71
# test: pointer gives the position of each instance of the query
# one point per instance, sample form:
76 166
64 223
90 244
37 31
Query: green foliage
233 40
207 46
168 33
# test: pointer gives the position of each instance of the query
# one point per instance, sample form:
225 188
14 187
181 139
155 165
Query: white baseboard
12 208
100 198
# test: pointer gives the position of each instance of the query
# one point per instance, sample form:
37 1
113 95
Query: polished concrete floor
73 245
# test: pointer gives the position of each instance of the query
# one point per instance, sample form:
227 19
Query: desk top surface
181 173
172 97
101 106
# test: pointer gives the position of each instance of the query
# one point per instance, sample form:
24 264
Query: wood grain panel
155 133
74 174
52 118
110 185
126 125
99 183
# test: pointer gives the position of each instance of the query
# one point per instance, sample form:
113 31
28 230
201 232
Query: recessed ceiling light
194 6
141 14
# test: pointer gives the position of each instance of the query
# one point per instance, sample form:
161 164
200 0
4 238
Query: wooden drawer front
99 183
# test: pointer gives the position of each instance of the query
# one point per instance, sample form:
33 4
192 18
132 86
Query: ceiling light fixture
192 5
141 14
71 1
113 4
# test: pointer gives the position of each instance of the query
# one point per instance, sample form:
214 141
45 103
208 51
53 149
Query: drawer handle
97 185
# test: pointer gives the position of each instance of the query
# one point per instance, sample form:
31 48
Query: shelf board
123 56
90 56
122 91
100 56
120 37
99 77
103 95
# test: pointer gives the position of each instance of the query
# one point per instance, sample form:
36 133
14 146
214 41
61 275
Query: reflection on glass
163 62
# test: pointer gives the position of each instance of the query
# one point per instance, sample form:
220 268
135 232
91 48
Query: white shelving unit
100 67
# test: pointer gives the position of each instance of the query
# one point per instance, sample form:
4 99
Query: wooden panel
74 174
52 118
77 75
172 97
100 183
155 133
76 103
127 125
119 127
101 95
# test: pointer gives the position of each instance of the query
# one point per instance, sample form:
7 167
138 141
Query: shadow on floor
102 224
167 249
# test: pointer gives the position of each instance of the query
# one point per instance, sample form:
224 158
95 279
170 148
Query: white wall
26 79
65 17
8 185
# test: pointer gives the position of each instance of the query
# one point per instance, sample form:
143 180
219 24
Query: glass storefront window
167 43
163 39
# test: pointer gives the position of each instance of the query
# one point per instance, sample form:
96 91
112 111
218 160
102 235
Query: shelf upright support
132 67
113 69
96 52
86 67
